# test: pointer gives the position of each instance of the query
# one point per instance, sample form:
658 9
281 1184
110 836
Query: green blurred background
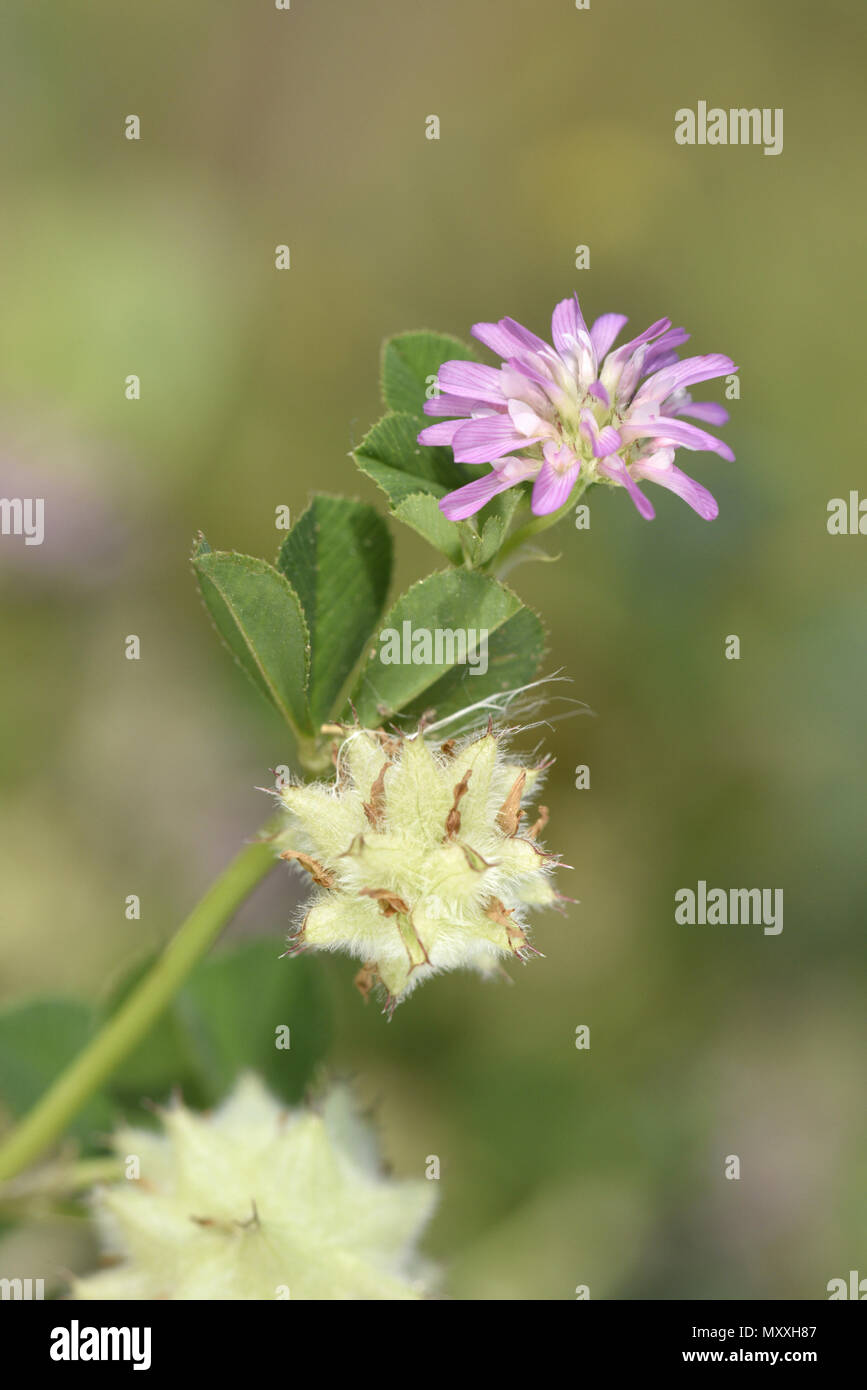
259 127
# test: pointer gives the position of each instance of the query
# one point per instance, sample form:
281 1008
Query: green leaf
337 557
258 614
414 477
421 511
391 455
410 360
37 1040
459 541
225 1021
497 515
454 600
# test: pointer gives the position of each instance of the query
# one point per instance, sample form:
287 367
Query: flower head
255 1201
580 411
417 859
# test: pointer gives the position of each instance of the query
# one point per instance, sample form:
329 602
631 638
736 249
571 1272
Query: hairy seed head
418 856
255 1201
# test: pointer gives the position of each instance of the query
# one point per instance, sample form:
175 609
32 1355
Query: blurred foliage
260 127
240 1009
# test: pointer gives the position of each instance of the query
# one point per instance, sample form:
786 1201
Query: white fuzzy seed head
255 1201
418 856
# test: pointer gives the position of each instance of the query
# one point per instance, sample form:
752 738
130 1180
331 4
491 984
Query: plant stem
34 1192
50 1116
532 528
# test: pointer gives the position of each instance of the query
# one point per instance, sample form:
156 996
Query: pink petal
441 433
471 379
685 373
567 322
467 500
603 442
529 367
607 442
527 421
445 404
598 390
678 432
604 331
524 337
485 439
655 329
710 411
496 338
621 369
672 478
508 338
661 353
520 384
552 488
615 468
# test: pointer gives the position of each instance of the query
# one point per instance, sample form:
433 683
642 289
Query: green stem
539 523
50 1116
39 1187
